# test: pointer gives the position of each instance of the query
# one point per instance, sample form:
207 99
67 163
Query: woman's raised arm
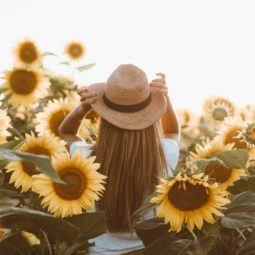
70 125
169 119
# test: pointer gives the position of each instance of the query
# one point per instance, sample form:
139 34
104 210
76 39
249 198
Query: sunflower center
218 172
75 184
56 120
28 53
219 114
231 137
250 134
75 50
30 168
190 197
23 81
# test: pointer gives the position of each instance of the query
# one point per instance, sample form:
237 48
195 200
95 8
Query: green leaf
247 249
85 67
243 202
246 183
15 244
32 221
166 246
67 63
157 246
6 202
238 220
200 246
48 53
90 224
203 163
1 177
42 162
150 230
230 159
12 145
76 247
234 158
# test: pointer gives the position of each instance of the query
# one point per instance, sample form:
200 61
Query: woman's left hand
160 84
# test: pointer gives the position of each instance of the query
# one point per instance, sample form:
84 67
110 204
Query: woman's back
132 160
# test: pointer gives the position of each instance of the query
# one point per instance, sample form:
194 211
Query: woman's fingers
82 90
158 85
90 100
158 80
86 95
162 75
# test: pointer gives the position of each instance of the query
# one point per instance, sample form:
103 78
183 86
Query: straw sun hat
127 101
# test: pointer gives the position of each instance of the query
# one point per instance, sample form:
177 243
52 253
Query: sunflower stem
241 234
193 234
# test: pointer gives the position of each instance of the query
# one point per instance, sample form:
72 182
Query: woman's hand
160 84
86 98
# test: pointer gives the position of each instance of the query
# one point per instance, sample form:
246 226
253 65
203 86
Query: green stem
194 235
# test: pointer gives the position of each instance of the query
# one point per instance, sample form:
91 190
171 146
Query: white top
120 243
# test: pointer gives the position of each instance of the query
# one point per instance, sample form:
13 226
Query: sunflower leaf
48 53
150 230
12 145
14 243
230 159
90 224
238 220
234 158
166 245
67 63
243 202
246 183
32 221
42 162
85 67
201 164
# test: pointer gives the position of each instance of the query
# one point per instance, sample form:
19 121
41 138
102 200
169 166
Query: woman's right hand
86 98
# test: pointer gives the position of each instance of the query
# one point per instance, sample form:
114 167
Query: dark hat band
127 108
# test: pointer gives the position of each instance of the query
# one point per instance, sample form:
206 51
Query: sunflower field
46 196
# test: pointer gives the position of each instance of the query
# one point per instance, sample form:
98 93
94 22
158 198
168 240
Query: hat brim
132 121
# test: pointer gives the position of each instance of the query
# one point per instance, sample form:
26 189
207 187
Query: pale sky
204 47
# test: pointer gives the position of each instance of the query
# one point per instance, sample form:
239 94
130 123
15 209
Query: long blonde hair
133 161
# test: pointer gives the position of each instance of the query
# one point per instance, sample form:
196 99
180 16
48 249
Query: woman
130 147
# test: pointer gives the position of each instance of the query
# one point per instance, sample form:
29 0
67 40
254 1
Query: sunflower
75 50
187 118
49 120
25 86
89 126
4 125
219 100
27 53
217 110
230 131
84 185
189 200
223 175
248 134
245 113
22 172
